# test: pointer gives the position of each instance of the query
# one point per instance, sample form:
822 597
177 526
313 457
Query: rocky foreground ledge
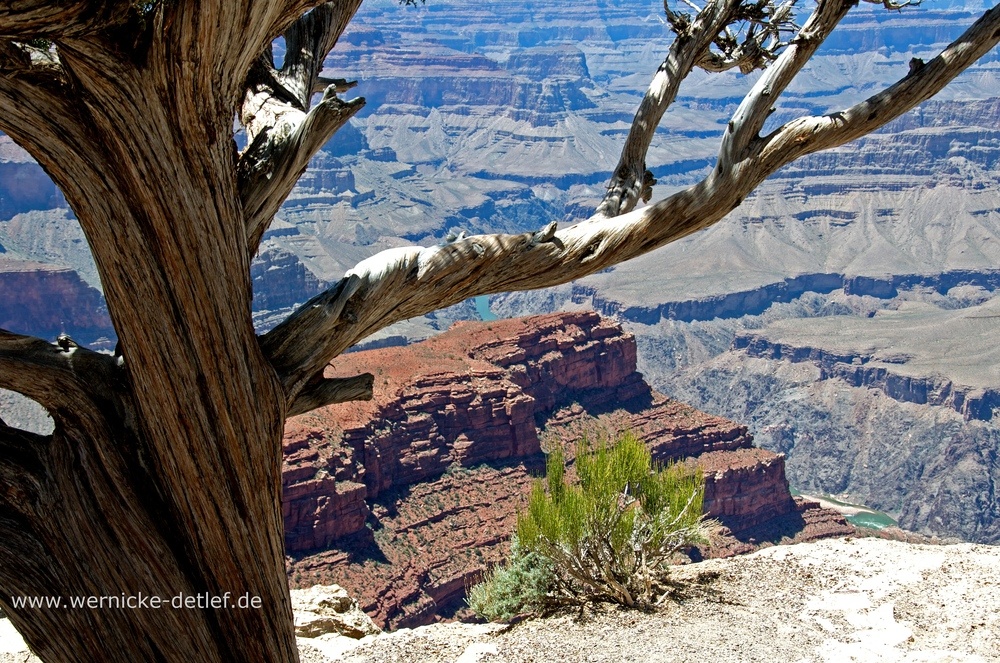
851 599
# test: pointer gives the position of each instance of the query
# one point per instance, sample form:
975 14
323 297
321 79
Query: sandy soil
837 600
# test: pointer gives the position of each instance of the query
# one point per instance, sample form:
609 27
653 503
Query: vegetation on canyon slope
607 536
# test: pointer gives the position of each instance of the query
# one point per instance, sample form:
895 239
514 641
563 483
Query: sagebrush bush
609 535
517 587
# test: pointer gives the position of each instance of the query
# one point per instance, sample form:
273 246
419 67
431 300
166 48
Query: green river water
867 518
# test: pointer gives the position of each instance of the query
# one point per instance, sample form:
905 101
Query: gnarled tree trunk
162 477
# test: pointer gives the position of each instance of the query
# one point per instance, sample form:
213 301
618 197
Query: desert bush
517 587
611 534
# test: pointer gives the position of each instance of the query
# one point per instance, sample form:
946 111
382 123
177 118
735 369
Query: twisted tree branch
630 181
67 380
307 43
751 114
759 45
283 133
326 391
692 47
408 281
41 19
272 164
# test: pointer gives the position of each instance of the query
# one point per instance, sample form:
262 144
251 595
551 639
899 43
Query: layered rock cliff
407 498
887 403
862 370
757 300
43 300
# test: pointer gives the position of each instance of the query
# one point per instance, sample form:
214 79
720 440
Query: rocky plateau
865 600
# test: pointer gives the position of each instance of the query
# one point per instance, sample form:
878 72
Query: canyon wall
861 370
407 498
754 301
43 300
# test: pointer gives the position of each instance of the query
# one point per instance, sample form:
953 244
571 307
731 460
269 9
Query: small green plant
521 585
611 534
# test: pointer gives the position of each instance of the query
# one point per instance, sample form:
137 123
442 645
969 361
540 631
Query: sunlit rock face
408 497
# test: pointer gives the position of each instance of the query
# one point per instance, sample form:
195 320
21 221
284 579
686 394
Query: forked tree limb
692 48
283 131
286 12
753 111
756 41
270 167
408 281
630 181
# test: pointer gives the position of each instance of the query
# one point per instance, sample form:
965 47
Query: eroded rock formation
406 499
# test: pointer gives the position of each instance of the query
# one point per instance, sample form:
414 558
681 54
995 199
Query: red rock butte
407 498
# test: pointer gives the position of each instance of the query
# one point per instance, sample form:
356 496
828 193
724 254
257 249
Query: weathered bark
177 491
89 517
166 479
34 19
283 132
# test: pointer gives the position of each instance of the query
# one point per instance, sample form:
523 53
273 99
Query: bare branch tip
338 84
544 235
895 5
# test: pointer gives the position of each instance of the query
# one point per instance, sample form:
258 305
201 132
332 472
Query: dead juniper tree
162 475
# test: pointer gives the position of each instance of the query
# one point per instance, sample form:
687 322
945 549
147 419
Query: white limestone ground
839 600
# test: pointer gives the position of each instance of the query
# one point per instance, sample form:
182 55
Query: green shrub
610 535
519 586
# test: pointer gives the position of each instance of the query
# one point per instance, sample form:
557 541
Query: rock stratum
917 353
43 300
407 498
